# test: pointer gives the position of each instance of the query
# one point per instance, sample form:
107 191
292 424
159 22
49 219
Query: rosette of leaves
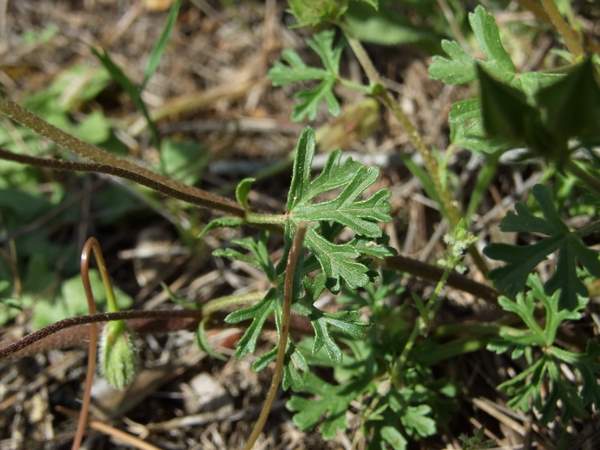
540 110
542 384
327 262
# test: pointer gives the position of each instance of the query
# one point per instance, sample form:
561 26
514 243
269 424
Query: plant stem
434 273
288 294
571 36
28 342
422 323
257 218
108 163
385 97
90 245
592 182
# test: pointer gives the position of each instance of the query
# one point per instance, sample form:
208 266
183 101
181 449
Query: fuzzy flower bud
118 356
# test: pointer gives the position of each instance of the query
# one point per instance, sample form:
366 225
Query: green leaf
161 44
525 388
183 160
360 216
129 87
459 68
204 344
310 99
466 129
258 255
291 69
304 152
242 190
338 261
393 437
571 106
95 128
498 61
315 12
347 322
416 420
295 371
387 26
505 111
221 222
259 313
328 409
522 260
335 174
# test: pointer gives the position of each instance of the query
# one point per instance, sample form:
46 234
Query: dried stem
571 36
288 293
116 434
108 163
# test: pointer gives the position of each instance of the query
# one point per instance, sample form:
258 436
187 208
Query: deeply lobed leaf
522 260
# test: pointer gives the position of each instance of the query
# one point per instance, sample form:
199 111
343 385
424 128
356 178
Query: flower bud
118 356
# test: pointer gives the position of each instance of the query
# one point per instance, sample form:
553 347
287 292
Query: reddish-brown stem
91 245
138 321
288 294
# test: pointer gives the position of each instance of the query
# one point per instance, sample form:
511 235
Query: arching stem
91 245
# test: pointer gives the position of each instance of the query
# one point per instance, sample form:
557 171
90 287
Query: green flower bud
118 356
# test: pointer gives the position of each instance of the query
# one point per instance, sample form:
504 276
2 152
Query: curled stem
91 245
288 293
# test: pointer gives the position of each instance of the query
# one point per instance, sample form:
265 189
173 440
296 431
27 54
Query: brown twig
570 35
288 293
113 432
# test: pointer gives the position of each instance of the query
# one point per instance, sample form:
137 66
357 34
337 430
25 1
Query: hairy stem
28 342
108 163
288 293
571 36
385 97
